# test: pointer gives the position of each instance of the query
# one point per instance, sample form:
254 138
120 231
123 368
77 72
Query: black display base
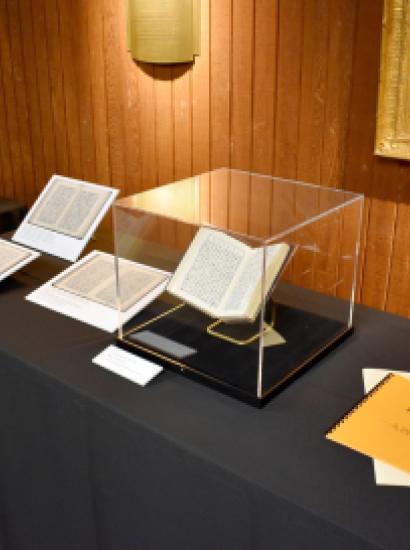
179 341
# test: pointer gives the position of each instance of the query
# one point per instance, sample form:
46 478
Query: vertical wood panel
66 26
147 117
98 94
7 76
264 85
399 277
43 84
220 83
362 108
164 124
289 54
342 20
7 185
56 77
129 92
313 88
182 104
21 100
242 83
200 98
380 235
113 74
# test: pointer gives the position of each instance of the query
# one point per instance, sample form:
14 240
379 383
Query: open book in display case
261 282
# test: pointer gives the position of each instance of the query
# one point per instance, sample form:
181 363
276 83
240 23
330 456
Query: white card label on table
126 364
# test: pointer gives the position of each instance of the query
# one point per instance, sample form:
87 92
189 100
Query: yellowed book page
245 297
161 31
10 256
379 426
69 208
95 280
206 273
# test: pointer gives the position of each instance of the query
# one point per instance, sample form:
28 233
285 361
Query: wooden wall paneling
260 204
342 24
264 84
380 233
204 197
167 232
164 124
242 83
220 82
38 176
314 66
164 141
287 108
359 160
114 99
43 84
68 62
398 297
289 54
81 53
6 68
95 17
219 189
342 21
7 177
201 98
131 108
146 93
313 91
182 113
182 98
238 203
17 56
57 91
347 252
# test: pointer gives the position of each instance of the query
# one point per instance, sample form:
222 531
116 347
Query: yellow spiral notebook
379 426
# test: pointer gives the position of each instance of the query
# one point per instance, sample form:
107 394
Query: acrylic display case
261 276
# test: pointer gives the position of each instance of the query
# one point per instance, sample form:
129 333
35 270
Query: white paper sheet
128 365
31 255
51 241
384 473
83 309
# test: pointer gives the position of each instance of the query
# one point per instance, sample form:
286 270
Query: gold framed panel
393 115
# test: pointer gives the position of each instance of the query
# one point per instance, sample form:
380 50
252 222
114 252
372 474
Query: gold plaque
163 31
393 116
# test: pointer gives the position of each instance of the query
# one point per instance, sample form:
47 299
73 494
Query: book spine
357 406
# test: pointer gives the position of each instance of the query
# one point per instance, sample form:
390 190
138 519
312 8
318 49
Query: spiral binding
360 403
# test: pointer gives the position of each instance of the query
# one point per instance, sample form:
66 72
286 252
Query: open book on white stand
65 216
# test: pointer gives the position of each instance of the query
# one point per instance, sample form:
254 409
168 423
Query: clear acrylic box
289 308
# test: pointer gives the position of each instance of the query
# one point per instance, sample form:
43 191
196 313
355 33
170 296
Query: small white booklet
86 291
126 364
13 257
65 217
384 473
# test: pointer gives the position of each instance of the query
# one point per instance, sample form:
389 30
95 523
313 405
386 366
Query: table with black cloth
91 461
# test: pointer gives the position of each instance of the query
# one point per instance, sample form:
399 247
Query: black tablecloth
90 461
